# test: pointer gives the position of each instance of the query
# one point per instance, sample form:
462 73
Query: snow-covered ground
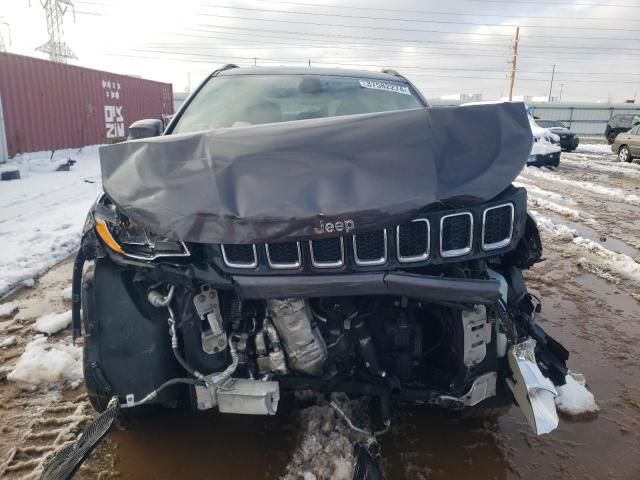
41 215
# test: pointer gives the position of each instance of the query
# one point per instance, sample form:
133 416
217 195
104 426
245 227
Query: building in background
49 106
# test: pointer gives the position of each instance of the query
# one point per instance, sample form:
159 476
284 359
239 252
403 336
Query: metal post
553 72
561 88
4 150
513 63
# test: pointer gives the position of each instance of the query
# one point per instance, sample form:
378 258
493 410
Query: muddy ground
590 287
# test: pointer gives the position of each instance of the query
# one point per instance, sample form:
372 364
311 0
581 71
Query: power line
353 64
202 50
413 42
262 44
413 20
458 14
553 3
395 29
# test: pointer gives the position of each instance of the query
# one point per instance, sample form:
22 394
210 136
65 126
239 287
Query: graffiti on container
113 116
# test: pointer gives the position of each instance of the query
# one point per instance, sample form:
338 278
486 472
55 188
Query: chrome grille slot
284 255
413 240
370 248
497 226
456 234
240 255
327 253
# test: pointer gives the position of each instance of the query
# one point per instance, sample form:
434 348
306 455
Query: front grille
283 255
497 226
456 234
328 252
453 237
370 248
413 240
240 256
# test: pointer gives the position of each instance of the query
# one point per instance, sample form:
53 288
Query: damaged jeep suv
316 229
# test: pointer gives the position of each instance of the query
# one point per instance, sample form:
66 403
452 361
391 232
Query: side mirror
147 128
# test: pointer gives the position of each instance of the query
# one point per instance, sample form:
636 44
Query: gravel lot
589 211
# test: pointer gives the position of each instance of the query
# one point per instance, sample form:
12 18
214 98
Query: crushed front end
434 311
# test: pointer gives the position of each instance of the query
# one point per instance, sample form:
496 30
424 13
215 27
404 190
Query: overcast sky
445 47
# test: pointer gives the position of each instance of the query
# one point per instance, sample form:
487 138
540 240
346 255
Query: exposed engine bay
241 354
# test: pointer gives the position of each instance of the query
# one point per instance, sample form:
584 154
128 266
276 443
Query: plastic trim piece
231 264
414 258
377 261
501 243
426 287
458 252
275 265
317 264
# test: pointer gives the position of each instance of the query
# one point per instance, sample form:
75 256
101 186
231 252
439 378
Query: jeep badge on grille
339 226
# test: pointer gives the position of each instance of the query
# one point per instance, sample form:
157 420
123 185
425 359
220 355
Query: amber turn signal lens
105 235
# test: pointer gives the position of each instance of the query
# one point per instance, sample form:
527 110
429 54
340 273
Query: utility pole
561 88
513 63
3 47
553 72
56 48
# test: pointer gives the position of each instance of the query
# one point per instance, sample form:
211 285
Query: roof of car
339 72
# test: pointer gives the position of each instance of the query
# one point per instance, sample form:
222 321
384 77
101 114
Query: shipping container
49 105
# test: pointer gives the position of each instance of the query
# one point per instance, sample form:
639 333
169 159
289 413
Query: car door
634 141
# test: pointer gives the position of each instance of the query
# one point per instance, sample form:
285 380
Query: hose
151 396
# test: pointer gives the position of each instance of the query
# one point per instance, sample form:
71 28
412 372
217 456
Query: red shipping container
49 105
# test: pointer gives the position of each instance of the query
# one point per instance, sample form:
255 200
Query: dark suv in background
569 141
619 124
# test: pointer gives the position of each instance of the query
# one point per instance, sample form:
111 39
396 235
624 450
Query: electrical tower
3 47
56 48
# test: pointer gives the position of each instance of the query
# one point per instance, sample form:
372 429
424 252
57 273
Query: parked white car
545 151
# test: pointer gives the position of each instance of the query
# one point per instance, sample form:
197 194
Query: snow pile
617 262
532 189
9 168
8 309
601 148
325 446
605 167
66 293
561 209
47 364
613 194
41 216
608 261
53 322
556 229
8 342
574 399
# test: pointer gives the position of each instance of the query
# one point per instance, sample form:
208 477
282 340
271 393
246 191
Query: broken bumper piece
534 392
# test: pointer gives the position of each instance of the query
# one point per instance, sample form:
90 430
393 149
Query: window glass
240 100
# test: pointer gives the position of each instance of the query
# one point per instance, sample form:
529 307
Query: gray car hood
279 181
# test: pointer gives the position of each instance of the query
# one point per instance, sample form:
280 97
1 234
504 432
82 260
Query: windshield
240 100
550 123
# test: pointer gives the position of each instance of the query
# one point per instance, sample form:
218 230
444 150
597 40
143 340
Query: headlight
124 236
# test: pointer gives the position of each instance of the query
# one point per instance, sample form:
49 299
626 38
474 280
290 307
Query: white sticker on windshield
389 87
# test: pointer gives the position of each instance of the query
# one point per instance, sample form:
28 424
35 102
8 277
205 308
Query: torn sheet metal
279 181
534 392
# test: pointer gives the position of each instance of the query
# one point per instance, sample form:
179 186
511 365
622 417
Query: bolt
201 298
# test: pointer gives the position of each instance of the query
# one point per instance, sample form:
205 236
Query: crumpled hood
279 181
